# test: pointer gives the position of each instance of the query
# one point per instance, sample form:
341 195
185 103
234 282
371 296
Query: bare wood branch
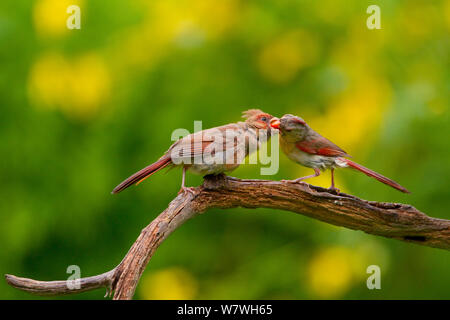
391 220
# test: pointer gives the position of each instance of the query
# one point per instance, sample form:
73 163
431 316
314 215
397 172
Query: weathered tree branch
391 220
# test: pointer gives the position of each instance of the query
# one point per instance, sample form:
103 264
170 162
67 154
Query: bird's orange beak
275 123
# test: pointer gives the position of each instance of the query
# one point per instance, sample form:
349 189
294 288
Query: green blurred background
83 109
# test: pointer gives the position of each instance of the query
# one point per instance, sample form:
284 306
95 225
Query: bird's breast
314 161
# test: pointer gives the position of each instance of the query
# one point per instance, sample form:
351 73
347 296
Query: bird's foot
109 291
295 181
334 190
190 190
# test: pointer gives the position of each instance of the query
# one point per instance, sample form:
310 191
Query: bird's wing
321 146
189 147
194 145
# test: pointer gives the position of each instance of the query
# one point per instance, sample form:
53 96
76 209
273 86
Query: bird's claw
187 190
334 190
109 291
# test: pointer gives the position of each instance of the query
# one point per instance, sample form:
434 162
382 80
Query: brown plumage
308 148
212 151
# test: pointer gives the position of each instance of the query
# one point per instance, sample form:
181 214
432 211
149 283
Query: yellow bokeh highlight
169 284
418 20
48 79
50 16
353 116
215 17
77 86
331 272
447 13
357 54
171 23
281 59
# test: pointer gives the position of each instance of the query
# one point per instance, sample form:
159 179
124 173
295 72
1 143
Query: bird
211 151
305 146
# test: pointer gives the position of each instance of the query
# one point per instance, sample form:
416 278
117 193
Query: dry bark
391 220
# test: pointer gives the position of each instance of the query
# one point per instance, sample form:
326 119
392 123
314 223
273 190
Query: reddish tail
143 174
375 175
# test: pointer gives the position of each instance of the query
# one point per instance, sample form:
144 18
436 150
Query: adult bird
212 151
305 146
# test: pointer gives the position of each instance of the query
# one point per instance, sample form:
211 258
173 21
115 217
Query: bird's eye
264 119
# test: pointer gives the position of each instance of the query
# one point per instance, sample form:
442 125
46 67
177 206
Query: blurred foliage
83 109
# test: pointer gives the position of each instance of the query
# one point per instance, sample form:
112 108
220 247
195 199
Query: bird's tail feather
374 174
143 174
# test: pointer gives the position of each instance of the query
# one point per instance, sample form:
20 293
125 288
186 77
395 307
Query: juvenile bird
305 146
212 151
